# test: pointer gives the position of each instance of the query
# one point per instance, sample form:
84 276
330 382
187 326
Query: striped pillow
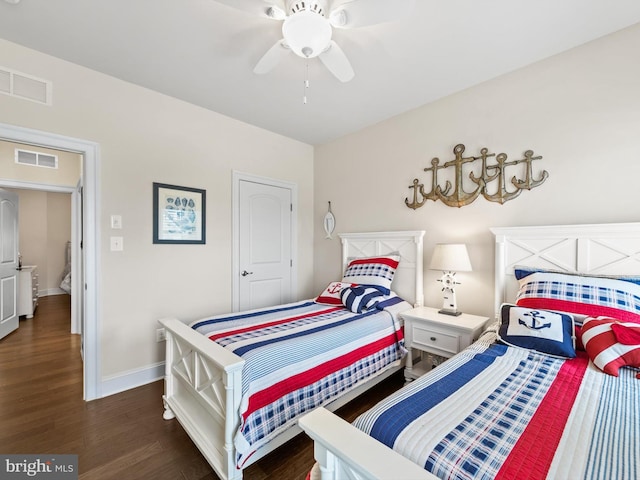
374 272
611 344
588 296
358 298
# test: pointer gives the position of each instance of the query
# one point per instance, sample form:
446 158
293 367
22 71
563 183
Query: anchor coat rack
489 172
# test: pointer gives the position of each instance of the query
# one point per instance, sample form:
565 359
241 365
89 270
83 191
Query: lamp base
449 304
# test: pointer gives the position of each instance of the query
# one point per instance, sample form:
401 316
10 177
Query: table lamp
450 258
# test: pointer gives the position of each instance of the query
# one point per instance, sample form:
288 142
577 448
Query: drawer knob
433 339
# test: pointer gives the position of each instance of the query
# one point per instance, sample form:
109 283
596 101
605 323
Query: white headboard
408 279
612 249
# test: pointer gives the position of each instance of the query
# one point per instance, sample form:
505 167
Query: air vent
28 87
5 82
36 159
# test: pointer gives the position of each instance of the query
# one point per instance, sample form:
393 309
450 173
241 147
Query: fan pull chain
306 83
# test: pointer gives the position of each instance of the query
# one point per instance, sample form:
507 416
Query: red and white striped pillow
611 344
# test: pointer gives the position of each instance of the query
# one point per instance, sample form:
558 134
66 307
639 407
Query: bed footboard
342 451
202 390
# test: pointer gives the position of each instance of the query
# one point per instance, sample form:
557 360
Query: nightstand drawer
429 331
434 339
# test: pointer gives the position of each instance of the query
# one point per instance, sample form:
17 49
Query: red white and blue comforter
498 412
300 356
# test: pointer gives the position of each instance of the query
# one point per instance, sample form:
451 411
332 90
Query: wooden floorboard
122 436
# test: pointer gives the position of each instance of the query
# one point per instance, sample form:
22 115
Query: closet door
265 259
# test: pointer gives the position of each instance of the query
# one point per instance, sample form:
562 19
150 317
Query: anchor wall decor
454 194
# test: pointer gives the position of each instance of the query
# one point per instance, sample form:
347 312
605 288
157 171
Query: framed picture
178 214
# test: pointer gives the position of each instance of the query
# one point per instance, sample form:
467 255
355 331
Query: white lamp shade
450 258
307 33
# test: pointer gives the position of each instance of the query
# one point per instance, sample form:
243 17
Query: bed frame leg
168 413
326 462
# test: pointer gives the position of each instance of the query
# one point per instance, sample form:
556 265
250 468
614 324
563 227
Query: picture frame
179 214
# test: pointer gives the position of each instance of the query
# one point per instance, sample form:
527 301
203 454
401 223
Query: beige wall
45 229
580 110
146 137
67 174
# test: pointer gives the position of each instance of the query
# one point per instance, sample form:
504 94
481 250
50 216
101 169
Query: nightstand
434 333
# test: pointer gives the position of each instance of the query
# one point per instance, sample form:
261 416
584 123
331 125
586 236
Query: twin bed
239 396
499 409
512 405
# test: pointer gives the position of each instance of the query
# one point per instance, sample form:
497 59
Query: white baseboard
51 291
131 379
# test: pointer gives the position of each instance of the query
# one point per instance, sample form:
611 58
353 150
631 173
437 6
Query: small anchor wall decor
454 194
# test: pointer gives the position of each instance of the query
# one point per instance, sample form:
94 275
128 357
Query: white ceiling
203 52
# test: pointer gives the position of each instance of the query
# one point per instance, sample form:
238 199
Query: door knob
245 273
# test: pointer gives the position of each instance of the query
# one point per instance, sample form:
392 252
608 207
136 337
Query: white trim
77 302
51 291
237 177
132 379
45 187
91 169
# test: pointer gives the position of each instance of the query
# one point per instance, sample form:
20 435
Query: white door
265 258
8 262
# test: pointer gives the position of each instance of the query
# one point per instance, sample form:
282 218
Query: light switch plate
116 221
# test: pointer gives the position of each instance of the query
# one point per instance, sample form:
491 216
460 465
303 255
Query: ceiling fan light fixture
307 33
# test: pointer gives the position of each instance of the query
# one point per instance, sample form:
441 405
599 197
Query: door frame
77 260
91 240
238 177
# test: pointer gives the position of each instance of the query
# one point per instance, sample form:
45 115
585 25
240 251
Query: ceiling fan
307 27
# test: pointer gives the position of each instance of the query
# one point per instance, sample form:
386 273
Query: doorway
88 232
45 225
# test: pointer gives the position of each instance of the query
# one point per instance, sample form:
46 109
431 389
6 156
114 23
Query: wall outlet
117 244
161 335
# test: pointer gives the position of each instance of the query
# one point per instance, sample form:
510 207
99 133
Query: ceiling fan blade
361 13
270 59
337 62
256 7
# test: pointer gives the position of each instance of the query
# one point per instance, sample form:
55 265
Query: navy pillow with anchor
544 331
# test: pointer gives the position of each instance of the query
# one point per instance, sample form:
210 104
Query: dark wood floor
120 437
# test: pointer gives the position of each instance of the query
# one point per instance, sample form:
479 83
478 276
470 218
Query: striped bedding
302 355
498 412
